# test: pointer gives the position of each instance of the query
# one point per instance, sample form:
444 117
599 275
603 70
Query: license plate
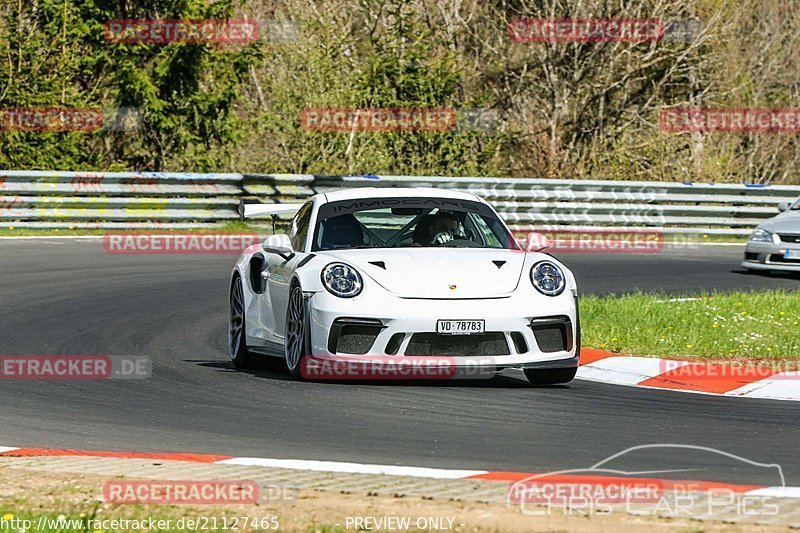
460 327
791 254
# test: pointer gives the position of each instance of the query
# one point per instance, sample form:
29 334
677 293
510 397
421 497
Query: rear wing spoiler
267 210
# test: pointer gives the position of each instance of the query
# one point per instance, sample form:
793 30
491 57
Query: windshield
407 223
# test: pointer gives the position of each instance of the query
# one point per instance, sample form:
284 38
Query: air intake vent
499 264
553 334
380 264
356 339
778 258
353 335
393 346
432 344
519 342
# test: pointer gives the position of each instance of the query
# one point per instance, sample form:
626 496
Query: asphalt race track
69 297
677 270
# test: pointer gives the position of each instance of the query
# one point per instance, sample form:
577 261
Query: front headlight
548 278
761 235
342 280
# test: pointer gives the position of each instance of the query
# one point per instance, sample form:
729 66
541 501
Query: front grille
553 334
784 237
490 343
778 258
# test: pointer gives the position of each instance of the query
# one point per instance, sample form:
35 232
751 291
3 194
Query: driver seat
342 231
420 235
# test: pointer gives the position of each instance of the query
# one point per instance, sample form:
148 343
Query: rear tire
237 332
551 376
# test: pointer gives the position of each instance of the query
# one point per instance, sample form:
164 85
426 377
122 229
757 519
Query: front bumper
770 256
509 342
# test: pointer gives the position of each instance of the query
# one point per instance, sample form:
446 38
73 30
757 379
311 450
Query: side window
489 238
299 228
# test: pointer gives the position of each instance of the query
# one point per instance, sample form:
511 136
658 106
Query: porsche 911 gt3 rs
400 273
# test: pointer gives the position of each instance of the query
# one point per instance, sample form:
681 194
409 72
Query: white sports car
394 273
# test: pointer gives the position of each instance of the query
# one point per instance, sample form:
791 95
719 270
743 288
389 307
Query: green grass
671 238
732 325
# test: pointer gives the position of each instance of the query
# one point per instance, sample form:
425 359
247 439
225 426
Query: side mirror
536 242
783 206
279 244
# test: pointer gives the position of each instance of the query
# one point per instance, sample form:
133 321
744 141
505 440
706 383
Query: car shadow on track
275 370
776 274
263 368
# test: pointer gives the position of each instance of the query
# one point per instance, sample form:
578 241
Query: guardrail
535 204
44 199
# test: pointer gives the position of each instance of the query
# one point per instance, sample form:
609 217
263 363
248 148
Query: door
280 270
260 318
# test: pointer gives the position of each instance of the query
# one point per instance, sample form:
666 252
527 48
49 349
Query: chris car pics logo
688 480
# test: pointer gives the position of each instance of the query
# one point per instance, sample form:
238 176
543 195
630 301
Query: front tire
296 333
237 332
551 376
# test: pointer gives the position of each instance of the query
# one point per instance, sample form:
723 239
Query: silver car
775 243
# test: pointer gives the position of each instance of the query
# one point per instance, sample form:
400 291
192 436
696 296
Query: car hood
786 222
439 272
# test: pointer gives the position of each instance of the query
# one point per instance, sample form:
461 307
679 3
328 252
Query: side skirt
265 348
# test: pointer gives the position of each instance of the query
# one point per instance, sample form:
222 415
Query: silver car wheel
236 320
295 329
